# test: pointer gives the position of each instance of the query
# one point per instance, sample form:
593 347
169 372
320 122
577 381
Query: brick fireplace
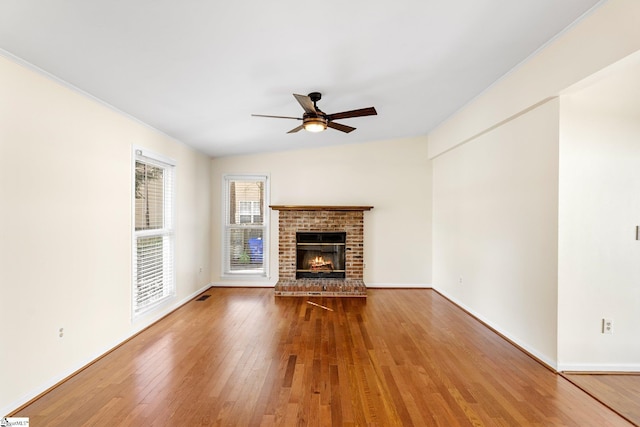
321 219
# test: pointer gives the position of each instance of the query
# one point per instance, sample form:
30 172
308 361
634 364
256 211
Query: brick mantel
293 219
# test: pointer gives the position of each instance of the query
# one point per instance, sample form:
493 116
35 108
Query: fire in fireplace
320 255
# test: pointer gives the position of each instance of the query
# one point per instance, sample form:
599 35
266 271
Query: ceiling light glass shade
315 125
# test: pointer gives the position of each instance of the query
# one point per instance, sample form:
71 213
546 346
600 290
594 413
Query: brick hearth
349 219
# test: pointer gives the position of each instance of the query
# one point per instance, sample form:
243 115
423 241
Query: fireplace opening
320 255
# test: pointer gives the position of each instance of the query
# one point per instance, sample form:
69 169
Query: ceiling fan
314 120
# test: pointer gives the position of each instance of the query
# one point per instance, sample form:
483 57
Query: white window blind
245 225
153 263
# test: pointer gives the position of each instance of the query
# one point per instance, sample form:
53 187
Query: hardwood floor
245 358
620 392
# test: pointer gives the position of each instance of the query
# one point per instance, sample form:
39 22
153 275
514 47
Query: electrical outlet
61 332
460 280
607 326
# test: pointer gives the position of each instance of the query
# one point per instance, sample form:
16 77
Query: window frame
167 231
227 226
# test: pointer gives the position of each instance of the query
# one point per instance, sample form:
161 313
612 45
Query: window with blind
246 225
153 263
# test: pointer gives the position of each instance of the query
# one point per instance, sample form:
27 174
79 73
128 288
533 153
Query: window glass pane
149 286
246 202
149 197
246 249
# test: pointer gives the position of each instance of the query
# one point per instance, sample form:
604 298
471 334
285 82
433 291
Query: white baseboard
397 285
270 284
244 284
249 283
602 367
553 364
138 326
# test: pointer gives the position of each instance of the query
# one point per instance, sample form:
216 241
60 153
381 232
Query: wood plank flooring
245 358
620 392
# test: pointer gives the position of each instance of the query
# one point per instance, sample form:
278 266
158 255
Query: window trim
226 270
168 229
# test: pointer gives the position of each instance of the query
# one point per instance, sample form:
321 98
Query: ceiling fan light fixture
315 124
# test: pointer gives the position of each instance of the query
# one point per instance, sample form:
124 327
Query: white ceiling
198 69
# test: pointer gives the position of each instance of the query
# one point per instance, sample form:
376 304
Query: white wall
392 176
495 228
599 258
65 229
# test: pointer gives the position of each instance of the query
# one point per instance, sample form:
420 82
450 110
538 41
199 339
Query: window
153 235
245 225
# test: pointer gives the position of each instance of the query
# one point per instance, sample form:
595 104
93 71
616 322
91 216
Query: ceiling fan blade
306 103
340 127
294 130
276 117
353 113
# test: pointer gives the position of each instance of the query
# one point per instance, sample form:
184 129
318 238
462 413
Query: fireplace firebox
320 255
